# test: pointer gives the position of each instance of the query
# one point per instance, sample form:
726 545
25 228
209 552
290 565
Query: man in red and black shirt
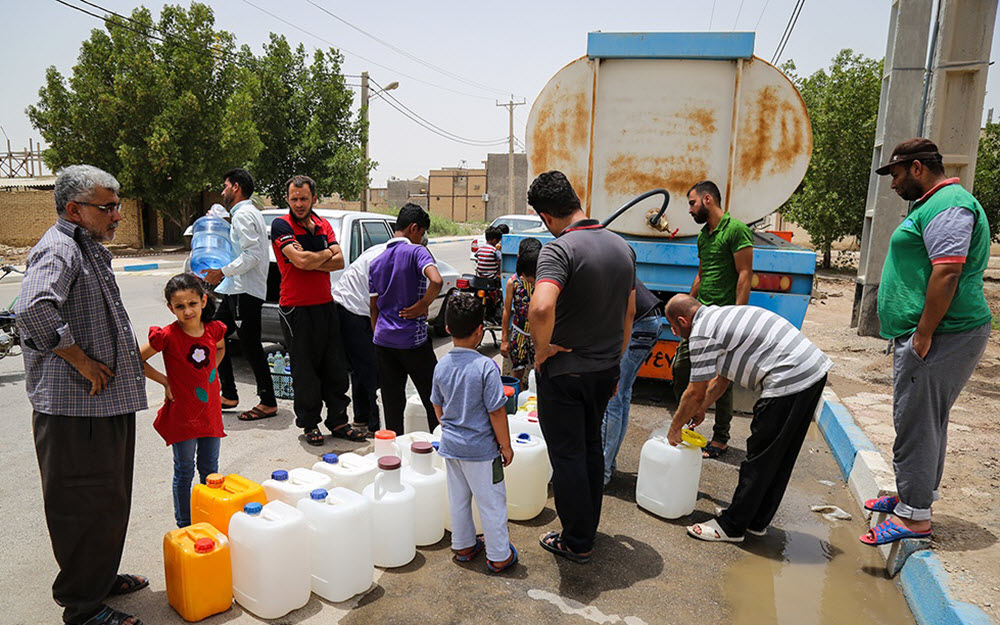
306 250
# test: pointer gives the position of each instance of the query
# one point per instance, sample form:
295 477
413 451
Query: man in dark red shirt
306 250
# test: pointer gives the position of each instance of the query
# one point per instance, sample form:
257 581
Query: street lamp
365 99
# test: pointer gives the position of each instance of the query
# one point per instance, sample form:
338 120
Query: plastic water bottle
291 486
270 360
393 512
349 470
667 484
428 483
210 244
278 366
527 478
340 533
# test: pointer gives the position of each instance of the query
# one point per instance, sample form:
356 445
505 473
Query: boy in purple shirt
403 281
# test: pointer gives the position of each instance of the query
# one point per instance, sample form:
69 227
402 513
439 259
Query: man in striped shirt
488 256
759 350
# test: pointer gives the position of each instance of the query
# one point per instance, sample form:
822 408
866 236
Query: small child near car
516 342
190 420
488 255
469 401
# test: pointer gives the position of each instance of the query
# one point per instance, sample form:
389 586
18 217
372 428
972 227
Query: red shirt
195 410
300 287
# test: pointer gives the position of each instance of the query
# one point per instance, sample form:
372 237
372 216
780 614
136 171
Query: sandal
111 616
126 583
889 531
256 414
885 504
711 532
348 433
314 436
496 567
553 542
476 548
712 452
229 406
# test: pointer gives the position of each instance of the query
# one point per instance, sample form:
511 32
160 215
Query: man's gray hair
78 182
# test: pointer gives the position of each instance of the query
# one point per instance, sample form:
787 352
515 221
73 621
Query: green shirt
907 270
718 267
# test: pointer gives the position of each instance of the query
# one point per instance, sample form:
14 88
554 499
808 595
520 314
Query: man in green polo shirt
725 271
932 308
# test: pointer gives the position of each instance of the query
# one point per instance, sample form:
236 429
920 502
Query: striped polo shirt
754 348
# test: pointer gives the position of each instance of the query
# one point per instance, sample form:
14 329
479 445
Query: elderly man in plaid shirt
84 378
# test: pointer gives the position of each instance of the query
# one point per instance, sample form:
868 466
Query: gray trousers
924 390
86 469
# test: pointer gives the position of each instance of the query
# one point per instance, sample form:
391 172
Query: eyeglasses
104 208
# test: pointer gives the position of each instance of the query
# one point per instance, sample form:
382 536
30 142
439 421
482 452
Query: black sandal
712 452
348 433
111 616
553 543
125 583
314 436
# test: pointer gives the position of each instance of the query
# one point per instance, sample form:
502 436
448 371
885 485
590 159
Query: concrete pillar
898 119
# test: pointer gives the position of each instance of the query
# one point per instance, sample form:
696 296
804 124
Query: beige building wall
27 213
457 194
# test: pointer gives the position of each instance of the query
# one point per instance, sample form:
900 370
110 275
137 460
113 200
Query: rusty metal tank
667 110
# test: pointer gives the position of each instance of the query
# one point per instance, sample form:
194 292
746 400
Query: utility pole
364 117
510 153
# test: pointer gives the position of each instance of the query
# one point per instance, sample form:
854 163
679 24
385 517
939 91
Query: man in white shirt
244 292
354 310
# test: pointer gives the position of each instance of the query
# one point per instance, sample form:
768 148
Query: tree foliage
305 121
986 187
168 107
843 108
166 117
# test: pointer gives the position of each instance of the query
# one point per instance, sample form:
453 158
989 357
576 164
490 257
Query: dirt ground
967 518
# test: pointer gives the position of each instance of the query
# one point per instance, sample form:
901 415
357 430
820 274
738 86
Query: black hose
655 219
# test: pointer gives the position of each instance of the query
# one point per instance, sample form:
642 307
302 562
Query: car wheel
438 325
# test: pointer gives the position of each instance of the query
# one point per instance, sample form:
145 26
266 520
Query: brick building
457 193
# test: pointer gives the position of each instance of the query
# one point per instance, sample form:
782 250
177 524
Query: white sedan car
356 231
518 224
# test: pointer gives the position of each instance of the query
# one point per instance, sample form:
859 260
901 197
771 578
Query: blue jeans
184 464
645 331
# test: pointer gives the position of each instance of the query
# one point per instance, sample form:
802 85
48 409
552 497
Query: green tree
987 185
843 108
306 123
162 107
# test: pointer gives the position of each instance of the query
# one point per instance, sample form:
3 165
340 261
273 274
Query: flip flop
111 616
476 549
711 532
314 436
256 414
348 433
712 452
231 406
885 504
889 531
553 543
125 583
497 567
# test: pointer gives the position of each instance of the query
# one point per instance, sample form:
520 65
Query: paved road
807 570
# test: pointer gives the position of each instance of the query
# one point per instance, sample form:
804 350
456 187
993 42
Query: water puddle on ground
811 571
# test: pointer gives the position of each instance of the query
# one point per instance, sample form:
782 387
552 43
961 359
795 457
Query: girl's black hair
191 282
527 257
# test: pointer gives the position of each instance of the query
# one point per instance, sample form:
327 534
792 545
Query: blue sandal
496 567
886 504
476 549
889 532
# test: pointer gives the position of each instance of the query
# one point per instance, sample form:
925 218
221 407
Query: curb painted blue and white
923 578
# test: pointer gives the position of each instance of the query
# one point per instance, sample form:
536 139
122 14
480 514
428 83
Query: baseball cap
917 149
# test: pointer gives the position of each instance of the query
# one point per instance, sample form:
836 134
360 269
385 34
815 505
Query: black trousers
393 367
356 333
777 432
241 314
570 412
319 367
86 469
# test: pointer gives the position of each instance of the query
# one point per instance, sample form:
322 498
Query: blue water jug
210 244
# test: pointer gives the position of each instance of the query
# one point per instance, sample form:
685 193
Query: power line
443 135
153 26
738 11
792 19
761 16
408 55
712 16
363 58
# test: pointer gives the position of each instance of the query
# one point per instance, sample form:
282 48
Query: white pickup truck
356 232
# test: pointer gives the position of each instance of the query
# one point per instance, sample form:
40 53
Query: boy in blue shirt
469 401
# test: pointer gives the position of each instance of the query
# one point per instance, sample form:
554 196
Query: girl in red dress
190 420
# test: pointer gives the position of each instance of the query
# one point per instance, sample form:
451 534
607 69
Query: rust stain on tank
560 137
701 120
629 175
773 138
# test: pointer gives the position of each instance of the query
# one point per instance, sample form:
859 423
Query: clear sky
486 51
